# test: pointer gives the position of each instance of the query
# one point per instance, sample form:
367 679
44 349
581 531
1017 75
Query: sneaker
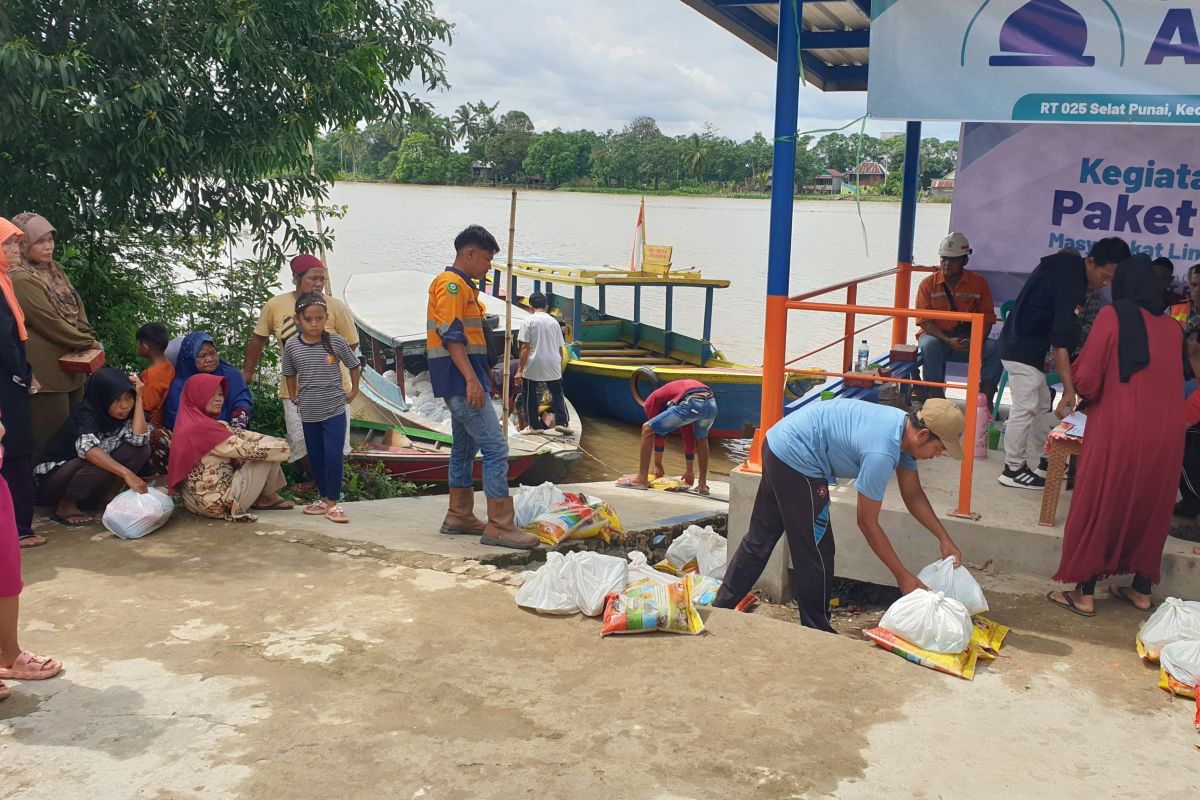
1022 478
1043 465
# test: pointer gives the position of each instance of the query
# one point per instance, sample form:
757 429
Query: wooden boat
614 360
389 310
416 455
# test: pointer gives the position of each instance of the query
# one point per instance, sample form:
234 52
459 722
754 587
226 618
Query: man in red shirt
686 406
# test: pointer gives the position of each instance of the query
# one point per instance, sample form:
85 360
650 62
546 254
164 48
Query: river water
389 226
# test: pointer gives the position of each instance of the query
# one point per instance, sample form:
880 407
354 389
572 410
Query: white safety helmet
954 246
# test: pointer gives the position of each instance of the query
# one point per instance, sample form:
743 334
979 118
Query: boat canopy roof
578 276
392 306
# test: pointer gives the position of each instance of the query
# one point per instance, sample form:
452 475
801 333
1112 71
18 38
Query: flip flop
337 514
32 541
625 482
1119 593
65 521
279 505
317 509
1069 605
30 667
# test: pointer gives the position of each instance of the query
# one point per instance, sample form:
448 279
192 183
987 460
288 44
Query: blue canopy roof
835 36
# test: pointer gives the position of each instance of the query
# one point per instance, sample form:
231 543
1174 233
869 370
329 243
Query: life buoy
642 372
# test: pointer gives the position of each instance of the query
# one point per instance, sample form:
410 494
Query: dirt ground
221 661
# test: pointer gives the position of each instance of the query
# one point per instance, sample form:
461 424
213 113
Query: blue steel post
908 225
779 253
600 305
637 314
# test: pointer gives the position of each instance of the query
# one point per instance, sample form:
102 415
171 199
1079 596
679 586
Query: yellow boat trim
724 372
578 276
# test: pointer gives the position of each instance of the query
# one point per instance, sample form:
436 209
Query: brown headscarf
50 273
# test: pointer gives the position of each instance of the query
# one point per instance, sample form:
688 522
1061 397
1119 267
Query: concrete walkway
265 660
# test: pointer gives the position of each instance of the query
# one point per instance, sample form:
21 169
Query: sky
598 64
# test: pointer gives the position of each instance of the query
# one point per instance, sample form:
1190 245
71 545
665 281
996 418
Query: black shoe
1042 467
1022 478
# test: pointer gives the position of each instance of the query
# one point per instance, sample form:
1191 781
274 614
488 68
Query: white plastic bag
1181 660
640 570
1175 620
956 583
931 621
131 515
592 577
699 548
548 590
531 502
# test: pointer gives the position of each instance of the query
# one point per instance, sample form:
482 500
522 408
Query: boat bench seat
900 369
640 361
627 352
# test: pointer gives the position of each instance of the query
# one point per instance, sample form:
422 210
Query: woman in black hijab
101 445
1131 376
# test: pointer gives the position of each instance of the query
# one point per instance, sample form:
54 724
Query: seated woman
101 445
222 472
198 356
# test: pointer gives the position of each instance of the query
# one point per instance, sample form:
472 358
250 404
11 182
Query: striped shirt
320 393
107 442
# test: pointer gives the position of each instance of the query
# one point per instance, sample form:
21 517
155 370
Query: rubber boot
461 519
500 530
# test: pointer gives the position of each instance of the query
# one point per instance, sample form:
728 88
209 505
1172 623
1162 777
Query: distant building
483 170
942 187
829 181
868 173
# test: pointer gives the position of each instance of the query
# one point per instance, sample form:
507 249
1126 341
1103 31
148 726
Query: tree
559 157
695 156
351 144
420 159
507 151
516 121
184 126
463 122
758 153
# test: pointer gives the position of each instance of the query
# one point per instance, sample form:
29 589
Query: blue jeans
324 441
700 411
477 430
935 354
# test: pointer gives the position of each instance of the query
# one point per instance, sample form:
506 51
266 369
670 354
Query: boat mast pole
508 285
317 212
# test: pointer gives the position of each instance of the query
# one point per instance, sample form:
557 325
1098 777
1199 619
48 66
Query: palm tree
696 156
463 123
350 143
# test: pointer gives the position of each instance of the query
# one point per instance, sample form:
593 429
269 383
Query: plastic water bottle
983 420
864 357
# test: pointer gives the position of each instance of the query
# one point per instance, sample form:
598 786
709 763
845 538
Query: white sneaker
1022 478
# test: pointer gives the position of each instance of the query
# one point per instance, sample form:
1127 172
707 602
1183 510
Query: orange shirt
157 378
1181 311
972 296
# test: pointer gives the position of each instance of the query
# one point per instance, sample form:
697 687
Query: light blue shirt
844 439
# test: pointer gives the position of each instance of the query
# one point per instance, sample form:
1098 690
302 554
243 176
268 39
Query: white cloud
599 63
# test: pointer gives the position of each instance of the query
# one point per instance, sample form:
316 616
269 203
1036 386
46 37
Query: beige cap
945 421
954 246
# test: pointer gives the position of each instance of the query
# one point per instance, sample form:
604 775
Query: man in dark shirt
1044 318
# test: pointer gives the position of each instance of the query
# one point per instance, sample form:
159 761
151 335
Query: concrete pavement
223 661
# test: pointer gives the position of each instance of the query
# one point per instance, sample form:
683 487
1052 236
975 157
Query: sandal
336 514
626 482
317 509
281 504
32 541
73 520
29 667
1069 604
1119 592
4 691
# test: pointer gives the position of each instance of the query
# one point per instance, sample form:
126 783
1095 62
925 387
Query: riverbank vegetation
479 144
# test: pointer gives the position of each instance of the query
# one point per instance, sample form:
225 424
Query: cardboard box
82 361
904 352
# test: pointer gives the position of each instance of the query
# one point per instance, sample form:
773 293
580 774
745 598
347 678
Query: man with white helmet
955 288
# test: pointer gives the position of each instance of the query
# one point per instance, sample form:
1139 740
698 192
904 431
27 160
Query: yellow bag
961 665
988 635
648 607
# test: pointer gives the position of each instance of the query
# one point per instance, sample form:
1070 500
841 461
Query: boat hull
433 469
603 389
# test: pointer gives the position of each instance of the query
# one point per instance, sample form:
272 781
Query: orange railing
900 313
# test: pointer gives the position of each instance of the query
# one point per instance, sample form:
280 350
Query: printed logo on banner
1046 33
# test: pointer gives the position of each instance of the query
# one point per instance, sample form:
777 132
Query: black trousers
1189 481
87 484
798 506
533 400
18 474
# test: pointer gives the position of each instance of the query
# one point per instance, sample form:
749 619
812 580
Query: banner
1024 191
1037 60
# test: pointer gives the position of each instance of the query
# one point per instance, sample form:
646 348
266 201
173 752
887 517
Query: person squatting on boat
808 450
456 347
541 358
687 406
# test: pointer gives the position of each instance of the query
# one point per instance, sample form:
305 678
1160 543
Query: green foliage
360 482
159 136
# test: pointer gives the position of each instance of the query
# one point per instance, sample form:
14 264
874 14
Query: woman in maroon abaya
1131 375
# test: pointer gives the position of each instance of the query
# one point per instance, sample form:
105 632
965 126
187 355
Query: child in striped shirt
311 368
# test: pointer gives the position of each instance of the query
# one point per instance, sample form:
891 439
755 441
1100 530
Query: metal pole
512 232
970 411
668 335
779 254
908 225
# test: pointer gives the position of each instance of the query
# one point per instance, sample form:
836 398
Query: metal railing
900 313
